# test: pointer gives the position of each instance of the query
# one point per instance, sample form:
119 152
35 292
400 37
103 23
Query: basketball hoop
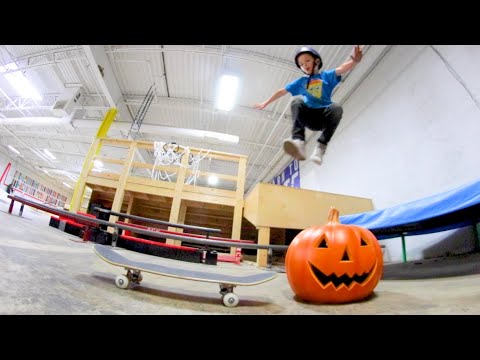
165 154
171 154
194 163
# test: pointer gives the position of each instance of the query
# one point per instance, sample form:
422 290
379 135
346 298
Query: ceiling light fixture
220 136
13 149
74 178
19 81
49 154
40 155
227 92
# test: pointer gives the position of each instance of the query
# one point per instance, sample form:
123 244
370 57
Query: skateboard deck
134 269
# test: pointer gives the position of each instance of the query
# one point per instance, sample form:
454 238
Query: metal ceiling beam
52 52
260 115
354 79
244 55
96 57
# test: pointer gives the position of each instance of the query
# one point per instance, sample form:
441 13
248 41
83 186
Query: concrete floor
46 271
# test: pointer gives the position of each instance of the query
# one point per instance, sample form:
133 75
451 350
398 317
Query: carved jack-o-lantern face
334 263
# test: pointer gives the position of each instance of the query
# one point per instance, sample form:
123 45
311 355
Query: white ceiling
184 78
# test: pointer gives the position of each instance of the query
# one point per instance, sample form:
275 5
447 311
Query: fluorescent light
49 154
20 82
221 136
227 92
13 149
40 155
64 183
46 172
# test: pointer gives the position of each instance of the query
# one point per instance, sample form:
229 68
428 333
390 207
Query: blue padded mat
448 210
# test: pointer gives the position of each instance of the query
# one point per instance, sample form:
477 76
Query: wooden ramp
275 206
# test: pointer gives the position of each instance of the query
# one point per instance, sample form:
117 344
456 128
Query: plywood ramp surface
277 206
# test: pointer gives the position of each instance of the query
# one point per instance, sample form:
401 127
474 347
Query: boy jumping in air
315 110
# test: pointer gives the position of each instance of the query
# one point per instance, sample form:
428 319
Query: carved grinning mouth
340 280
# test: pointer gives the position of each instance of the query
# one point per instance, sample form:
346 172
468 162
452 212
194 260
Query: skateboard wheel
121 281
230 300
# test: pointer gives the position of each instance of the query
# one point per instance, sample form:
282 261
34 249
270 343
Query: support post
94 150
10 208
477 236
263 239
404 248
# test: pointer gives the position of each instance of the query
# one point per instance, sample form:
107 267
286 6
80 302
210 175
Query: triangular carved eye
323 243
363 242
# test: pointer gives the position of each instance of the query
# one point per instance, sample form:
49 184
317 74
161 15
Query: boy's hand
259 106
357 54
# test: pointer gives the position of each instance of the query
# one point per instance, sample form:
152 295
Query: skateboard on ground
135 268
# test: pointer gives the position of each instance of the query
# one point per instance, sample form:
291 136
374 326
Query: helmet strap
308 81
317 63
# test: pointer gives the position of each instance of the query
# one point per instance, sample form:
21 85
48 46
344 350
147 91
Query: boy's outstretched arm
350 64
277 94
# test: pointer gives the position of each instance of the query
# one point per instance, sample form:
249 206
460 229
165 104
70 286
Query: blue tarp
448 210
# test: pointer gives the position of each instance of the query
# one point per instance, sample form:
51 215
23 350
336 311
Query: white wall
409 131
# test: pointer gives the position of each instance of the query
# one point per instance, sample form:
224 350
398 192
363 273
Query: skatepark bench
449 210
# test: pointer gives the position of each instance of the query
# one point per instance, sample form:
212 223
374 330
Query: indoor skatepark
374 163
47 271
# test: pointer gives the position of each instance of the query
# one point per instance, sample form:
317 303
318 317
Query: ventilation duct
66 101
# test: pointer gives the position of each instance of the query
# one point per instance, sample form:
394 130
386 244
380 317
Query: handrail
159 222
89 220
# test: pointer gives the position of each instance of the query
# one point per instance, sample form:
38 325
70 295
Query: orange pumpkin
334 263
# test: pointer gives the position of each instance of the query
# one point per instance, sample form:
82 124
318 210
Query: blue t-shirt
319 90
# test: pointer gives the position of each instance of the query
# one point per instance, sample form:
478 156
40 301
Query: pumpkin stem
333 216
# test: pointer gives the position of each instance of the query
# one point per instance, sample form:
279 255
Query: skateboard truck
269 258
132 275
115 237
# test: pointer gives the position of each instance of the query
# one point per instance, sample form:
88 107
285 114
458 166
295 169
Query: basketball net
170 154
